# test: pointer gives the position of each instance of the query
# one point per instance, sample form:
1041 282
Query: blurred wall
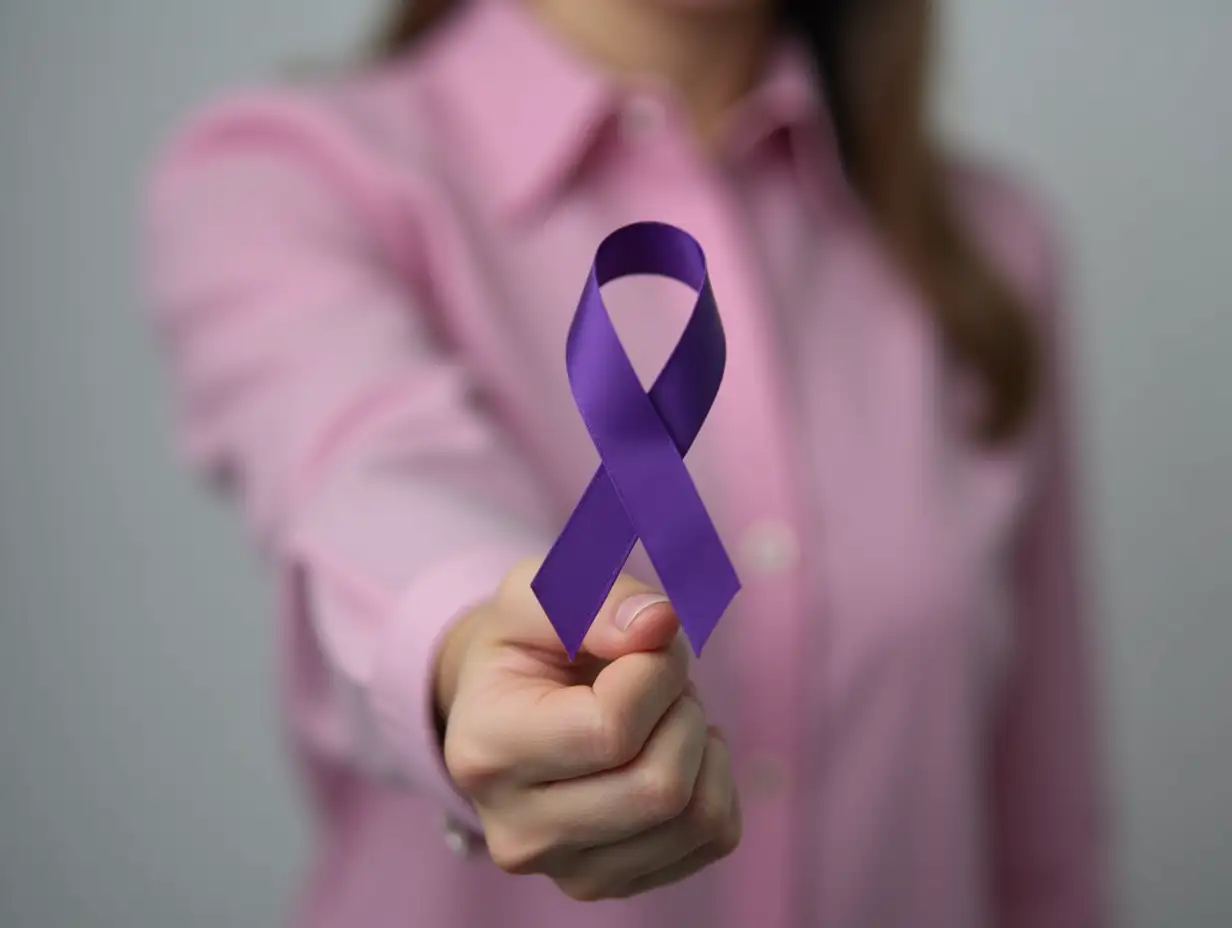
141 784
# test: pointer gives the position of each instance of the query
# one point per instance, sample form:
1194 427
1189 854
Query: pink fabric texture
363 287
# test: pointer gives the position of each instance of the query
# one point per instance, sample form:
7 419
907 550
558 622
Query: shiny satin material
642 488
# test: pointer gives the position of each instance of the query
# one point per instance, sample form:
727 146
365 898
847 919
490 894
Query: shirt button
766 778
643 117
456 838
771 548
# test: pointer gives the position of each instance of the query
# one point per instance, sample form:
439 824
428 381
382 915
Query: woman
365 289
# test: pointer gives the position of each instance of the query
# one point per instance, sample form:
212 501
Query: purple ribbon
642 488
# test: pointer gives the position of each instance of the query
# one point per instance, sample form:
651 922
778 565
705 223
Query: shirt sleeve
315 385
1050 847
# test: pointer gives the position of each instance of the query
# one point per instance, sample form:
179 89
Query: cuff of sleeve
401 690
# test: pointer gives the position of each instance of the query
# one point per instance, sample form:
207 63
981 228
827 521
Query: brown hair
872 59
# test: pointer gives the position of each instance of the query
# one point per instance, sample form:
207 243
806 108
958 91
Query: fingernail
634 606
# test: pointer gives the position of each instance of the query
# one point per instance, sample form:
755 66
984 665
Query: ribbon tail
582 566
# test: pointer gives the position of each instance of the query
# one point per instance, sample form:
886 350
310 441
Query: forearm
310 378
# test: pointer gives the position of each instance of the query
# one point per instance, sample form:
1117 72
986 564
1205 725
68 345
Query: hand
603 773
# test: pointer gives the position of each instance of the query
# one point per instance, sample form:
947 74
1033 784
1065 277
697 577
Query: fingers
616 805
645 623
540 732
602 772
704 820
634 618
707 830
547 719
695 862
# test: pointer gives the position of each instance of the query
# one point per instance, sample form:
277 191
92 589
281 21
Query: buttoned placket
757 451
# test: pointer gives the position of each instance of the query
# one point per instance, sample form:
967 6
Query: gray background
140 781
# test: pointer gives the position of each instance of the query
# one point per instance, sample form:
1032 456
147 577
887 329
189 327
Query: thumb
634 617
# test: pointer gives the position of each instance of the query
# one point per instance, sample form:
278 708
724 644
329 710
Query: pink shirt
364 288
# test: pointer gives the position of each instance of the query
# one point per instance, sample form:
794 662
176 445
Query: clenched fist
601 773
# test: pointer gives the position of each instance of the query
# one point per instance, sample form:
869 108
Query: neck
709 57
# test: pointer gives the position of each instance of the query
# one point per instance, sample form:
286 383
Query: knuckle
516 582
730 834
472 767
729 841
512 853
583 890
710 813
679 656
613 742
483 613
663 793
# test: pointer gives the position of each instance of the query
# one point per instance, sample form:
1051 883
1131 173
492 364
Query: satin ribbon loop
642 488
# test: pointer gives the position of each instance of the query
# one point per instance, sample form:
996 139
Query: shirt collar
532 110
